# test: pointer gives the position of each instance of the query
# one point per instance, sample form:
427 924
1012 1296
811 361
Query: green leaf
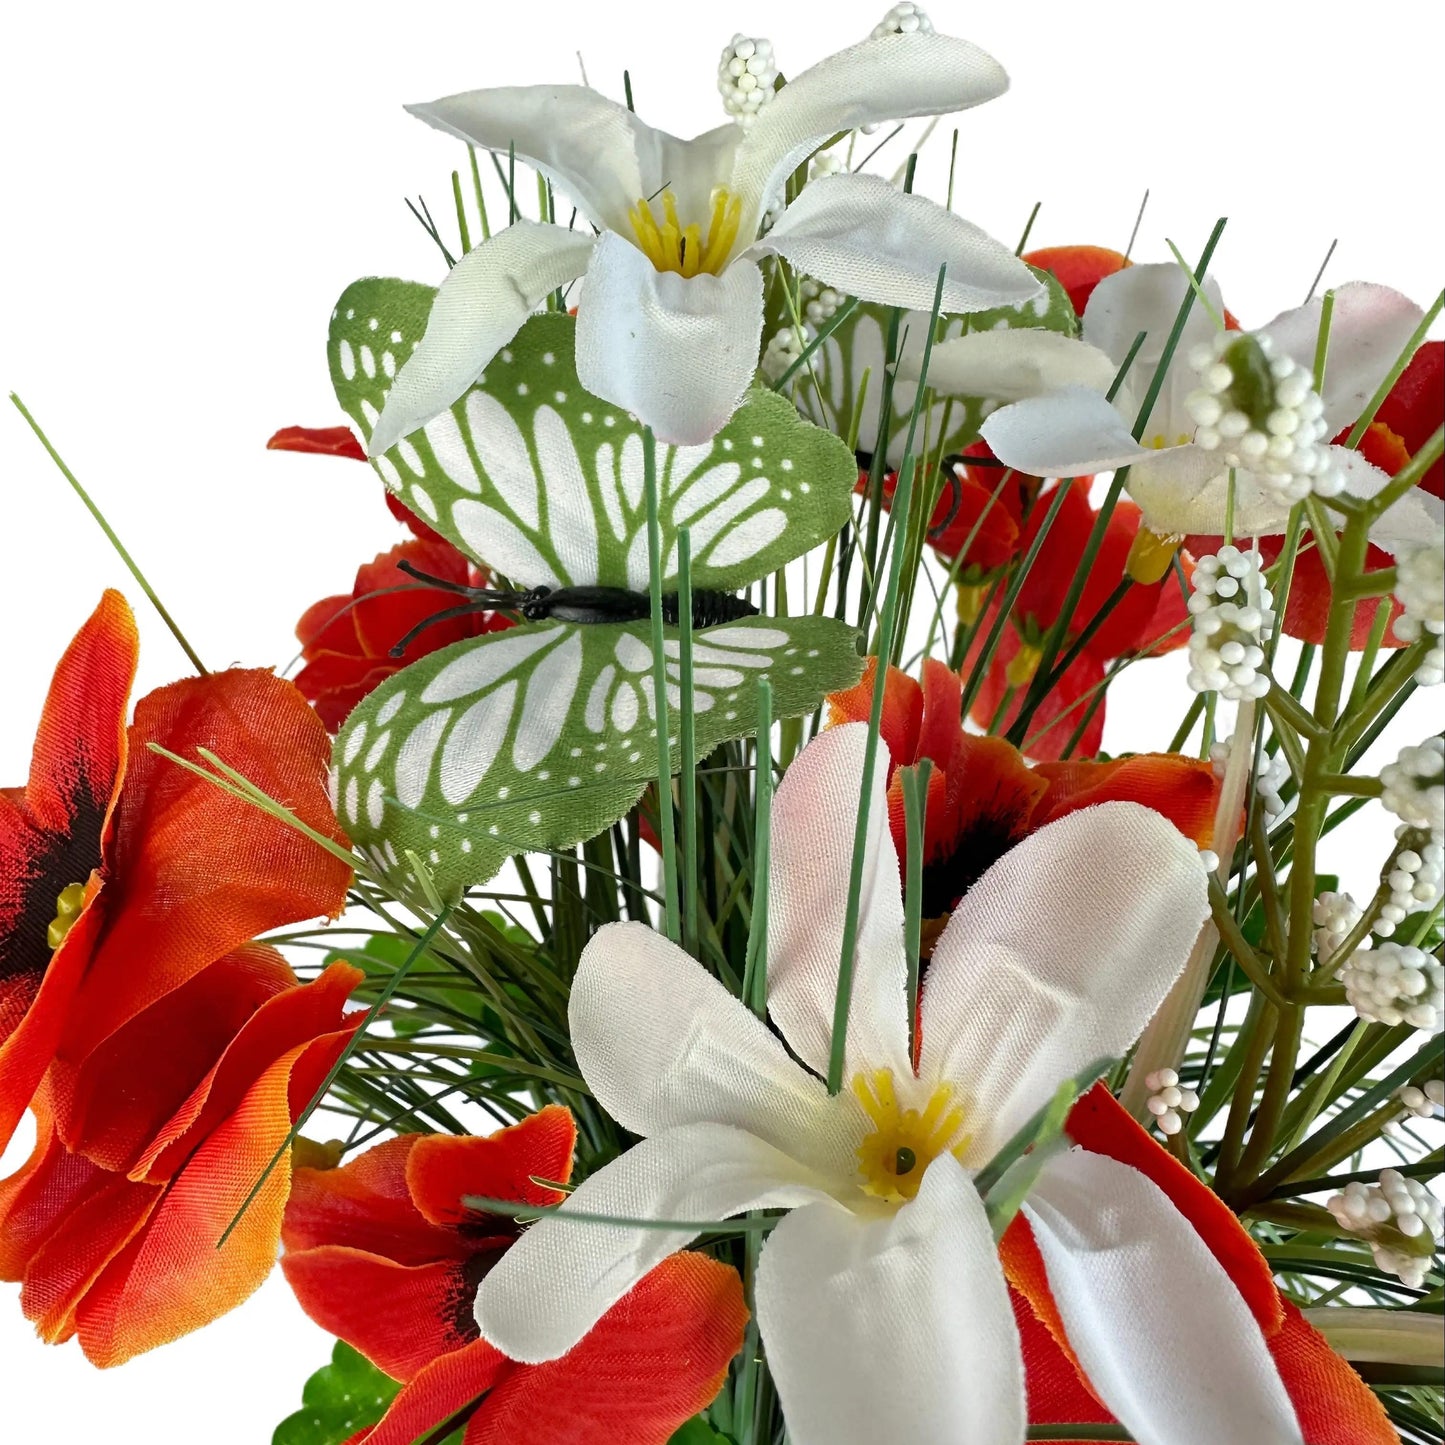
540 481
348 1395
857 346
543 735
698 1432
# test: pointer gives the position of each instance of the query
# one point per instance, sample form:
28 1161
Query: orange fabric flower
1078 269
1334 1406
118 1244
1150 619
983 798
383 1253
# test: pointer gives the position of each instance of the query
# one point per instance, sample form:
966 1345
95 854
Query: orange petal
172 1279
650 1363
902 715
1184 790
112 1105
283 1022
1334 1405
194 872
441 1170
401 1317
1056 1390
1078 269
439 1393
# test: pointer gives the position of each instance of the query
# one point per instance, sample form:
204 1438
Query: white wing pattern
543 483
543 735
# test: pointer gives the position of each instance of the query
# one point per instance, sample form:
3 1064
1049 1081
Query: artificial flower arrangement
688 859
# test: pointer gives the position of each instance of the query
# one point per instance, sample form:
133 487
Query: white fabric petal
662 1043
894 1328
581 141
480 306
863 236
678 352
1368 331
1183 491
1057 956
1071 432
1162 1332
563 1275
1011 365
886 79
815 812
1413 522
1147 299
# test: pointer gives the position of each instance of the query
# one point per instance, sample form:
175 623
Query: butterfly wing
543 735
543 483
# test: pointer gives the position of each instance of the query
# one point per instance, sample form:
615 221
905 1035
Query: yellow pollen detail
313 1154
1159 441
672 246
67 910
1023 665
1150 556
971 597
904 1142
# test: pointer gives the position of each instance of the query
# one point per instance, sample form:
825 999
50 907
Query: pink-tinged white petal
480 306
1058 956
871 240
678 352
893 1328
1163 1334
815 813
886 79
1183 491
1072 432
1369 328
564 1274
1012 365
663 1044
584 143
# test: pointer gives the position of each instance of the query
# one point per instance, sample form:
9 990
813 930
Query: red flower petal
401 1317
1078 269
440 1170
1415 407
328 441
194 873
656 1358
1063 708
902 715
439 1393
51 836
1184 790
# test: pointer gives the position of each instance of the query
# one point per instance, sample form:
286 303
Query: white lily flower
670 324
880 1296
1180 485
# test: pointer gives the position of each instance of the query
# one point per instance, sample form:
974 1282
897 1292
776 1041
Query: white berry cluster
745 77
1168 1102
1424 1102
826 163
820 302
1259 410
1399 1217
784 347
1273 774
1420 590
903 19
1335 914
1396 984
1232 616
1415 786
1415 882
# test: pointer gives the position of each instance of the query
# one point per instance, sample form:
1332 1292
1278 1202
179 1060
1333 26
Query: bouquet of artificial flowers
744 1002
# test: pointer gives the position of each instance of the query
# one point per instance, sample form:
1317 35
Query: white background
186 189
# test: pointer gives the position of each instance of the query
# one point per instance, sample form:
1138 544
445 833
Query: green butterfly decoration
858 346
543 735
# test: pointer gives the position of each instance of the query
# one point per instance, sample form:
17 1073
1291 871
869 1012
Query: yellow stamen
1023 665
970 601
1150 556
313 1154
904 1142
67 910
672 246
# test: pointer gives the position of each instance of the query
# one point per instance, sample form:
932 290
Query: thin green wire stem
755 971
687 744
671 921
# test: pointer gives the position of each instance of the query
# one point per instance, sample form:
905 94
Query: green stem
660 714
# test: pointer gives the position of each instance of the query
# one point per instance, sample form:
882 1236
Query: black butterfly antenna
479 599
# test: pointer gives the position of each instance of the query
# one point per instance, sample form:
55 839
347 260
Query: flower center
1150 556
904 1142
1159 441
671 246
67 910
